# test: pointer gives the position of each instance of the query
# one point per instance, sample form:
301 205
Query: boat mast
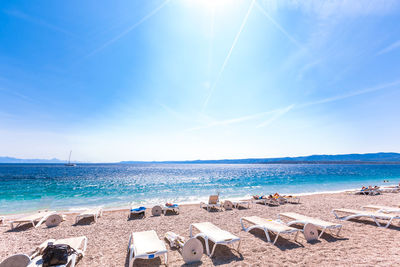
69 159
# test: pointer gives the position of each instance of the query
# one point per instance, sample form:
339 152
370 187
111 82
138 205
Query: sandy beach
361 242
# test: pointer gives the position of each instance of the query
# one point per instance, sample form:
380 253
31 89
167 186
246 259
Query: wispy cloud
277 25
116 38
389 48
21 15
229 55
351 94
276 116
237 119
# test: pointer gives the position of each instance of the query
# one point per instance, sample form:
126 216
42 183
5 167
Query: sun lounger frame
266 230
71 259
172 208
98 213
207 238
31 221
322 227
133 253
209 205
237 204
373 216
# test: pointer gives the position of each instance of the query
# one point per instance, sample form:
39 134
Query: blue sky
200 79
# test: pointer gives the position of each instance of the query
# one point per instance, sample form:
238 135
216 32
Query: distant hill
16 160
345 158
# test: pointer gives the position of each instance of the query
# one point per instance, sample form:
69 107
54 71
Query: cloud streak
119 36
229 55
277 25
389 48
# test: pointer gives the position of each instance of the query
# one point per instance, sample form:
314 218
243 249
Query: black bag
56 254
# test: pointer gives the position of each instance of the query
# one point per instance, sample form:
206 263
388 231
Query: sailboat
69 164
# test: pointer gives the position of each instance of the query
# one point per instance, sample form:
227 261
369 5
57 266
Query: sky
198 79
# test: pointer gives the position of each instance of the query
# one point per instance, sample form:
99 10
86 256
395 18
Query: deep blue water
25 187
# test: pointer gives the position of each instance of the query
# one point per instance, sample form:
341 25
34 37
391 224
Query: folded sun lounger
268 225
384 209
35 219
213 203
242 203
302 219
146 245
209 231
355 214
89 213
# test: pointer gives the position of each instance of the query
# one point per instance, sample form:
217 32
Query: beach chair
90 213
242 203
384 209
79 244
276 227
140 210
304 220
266 201
35 219
209 231
292 199
174 208
146 245
213 203
356 214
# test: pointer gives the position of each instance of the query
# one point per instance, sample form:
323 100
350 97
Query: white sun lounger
302 219
213 203
355 214
77 243
146 245
35 219
268 225
89 213
384 209
174 208
242 203
209 231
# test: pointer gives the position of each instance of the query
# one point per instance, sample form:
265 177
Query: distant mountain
345 158
15 160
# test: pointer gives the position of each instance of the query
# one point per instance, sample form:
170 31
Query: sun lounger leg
267 234
338 232
208 246
73 260
238 247
390 221
295 236
166 258
322 232
40 222
276 238
213 250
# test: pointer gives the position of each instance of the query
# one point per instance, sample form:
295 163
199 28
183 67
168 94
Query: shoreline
126 207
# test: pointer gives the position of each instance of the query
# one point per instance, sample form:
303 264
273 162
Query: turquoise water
26 187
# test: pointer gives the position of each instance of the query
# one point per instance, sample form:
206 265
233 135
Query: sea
30 187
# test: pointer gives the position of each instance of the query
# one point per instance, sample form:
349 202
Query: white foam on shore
153 202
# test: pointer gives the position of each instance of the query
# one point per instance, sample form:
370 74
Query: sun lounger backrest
147 242
213 199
